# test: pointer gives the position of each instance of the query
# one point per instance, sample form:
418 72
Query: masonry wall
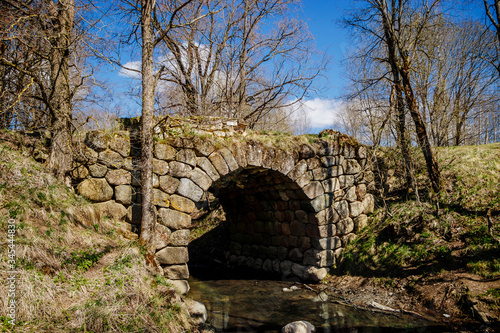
291 210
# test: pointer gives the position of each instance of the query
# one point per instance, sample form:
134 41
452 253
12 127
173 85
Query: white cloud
131 69
321 113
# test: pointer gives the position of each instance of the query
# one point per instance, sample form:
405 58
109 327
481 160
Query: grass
73 279
415 235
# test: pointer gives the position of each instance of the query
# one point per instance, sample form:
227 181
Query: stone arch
292 207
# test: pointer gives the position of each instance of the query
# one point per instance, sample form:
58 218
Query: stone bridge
293 202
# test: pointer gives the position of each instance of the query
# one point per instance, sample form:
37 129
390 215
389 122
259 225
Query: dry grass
71 278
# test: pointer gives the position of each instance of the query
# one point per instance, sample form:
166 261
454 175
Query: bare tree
493 13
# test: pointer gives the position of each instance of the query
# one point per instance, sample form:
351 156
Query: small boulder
299 327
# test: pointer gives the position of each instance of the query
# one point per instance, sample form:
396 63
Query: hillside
72 278
440 256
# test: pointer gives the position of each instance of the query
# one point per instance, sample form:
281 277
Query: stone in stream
197 311
299 327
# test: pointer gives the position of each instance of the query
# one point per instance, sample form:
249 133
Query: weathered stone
219 163
169 184
229 158
186 156
160 167
162 236
203 146
327 243
331 185
318 203
123 194
368 204
350 194
313 163
120 145
182 286
190 190
306 151
111 159
305 179
95 189
320 173
128 164
301 216
164 152
173 255
353 167
297 228
282 253
360 222
267 265
179 238
286 267
174 219
298 270
324 258
209 169
313 190
349 151
342 208
97 140
197 311
182 204
346 239
176 272
239 152
180 170
112 209
98 170
345 226
328 161
156 180
286 165
298 327
315 274
361 191
356 208
295 255
79 173
346 181
160 198
335 171
255 152
298 170
118 177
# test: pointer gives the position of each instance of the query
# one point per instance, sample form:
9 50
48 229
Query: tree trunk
148 219
60 158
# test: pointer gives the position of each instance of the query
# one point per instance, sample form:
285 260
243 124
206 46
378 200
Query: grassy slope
73 279
415 243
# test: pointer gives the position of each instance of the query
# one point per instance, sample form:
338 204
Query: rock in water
299 327
197 311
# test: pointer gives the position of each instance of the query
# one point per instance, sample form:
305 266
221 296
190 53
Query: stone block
282 253
98 170
169 184
286 267
203 146
111 159
160 198
286 165
368 204
335 171
190 190
186 156
219 163
315 274
164 152
342 208
123 194
313 190
349 151
254 153
267 265
182 204
182 286
95 189
356 208
304 243
128 164
297 228
229 158
176 272
331 185
298 170
298 270
119 177
179 238
112 209
120 145
318 203
172 255
306 151
328 161
305 179
320 173
346 239
360 222
79 173
97 140
350 194
239 153
160 167
295 255
353 167
345 226
209 169
162 236
174 219
346 181
268 158
361 191
201 179
327 243
180 170
321 258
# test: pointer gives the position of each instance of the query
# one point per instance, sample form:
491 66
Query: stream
251 304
